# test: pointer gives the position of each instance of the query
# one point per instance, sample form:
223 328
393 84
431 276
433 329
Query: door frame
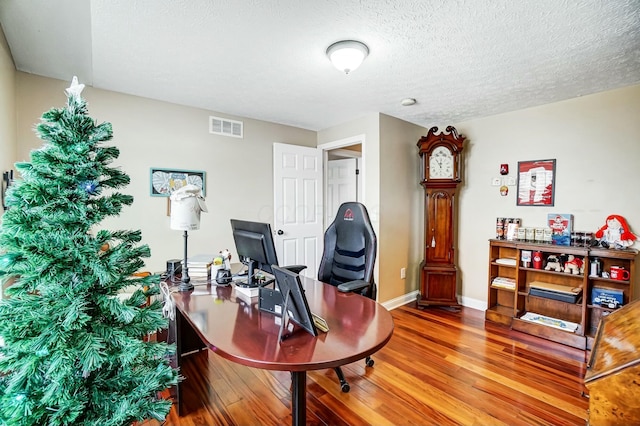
341 143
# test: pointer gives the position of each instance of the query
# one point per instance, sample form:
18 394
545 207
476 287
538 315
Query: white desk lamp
186 205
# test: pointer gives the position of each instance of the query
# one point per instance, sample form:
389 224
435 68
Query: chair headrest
351 215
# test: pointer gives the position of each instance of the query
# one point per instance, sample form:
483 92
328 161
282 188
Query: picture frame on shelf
164 181
536 183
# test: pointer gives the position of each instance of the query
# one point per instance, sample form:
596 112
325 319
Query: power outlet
403 273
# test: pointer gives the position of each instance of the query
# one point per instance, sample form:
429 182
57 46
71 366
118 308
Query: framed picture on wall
165 181
536 183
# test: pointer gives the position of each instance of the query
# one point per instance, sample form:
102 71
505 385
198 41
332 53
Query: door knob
280 232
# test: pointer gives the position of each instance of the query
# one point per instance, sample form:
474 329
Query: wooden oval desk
233 327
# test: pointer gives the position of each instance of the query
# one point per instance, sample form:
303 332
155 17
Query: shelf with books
503 262
571 295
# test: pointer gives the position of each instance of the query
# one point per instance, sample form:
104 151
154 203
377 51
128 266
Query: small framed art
536 183
165 181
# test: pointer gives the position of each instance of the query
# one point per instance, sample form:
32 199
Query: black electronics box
270 300
174 267
555 295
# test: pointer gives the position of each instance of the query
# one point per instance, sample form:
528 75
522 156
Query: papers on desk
320 323
200 265
247 291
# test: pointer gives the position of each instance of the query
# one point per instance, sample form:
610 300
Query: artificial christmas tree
73 352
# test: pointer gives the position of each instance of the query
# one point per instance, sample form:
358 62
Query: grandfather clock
441 170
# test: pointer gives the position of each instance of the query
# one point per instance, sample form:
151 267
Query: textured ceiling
265 59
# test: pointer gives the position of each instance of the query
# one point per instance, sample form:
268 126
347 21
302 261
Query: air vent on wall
225 127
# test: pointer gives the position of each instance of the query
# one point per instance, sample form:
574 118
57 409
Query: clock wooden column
441 170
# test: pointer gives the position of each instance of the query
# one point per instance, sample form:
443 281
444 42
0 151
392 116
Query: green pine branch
74 350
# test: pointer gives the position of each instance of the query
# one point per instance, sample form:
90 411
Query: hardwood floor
440 368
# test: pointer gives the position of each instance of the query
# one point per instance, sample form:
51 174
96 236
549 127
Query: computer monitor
255 247
294 301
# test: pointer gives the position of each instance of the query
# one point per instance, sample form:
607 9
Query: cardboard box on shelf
561 225
608 297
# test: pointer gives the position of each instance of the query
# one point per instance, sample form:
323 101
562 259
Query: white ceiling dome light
347 55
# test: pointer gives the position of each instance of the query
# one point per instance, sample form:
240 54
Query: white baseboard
468 302
411 297
400 301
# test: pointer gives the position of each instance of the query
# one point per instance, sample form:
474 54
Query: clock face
441 164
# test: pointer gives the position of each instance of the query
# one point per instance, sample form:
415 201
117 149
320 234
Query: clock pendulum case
441 170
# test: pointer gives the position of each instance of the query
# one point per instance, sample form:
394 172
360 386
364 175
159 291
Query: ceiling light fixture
347 55
408 102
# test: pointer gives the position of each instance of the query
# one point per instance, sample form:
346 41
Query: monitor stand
251 271
284 323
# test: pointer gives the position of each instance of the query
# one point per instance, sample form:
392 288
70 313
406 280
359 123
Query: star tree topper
75 89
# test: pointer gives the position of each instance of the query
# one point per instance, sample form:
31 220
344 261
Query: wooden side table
613 373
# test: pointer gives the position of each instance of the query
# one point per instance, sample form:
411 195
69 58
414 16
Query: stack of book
200 265
503 282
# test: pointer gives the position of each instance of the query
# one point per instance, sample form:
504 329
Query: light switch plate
511 181
496 181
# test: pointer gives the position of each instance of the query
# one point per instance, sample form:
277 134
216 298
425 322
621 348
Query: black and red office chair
349 257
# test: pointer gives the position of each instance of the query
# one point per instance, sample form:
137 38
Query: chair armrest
295 268
355 285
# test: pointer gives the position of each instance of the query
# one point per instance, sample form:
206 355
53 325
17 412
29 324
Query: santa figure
558 225
616 232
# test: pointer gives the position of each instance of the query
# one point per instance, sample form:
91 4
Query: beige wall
7 107
7 114
391 196
159 134
593 138
596 143
401 223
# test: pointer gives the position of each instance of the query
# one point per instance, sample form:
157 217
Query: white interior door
298 209
341 185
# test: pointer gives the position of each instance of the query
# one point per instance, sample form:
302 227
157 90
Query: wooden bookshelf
508 305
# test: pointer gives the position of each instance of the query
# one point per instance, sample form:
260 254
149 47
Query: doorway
300 218
343 174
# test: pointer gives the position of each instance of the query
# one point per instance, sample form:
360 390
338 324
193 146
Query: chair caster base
369 362
344 385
